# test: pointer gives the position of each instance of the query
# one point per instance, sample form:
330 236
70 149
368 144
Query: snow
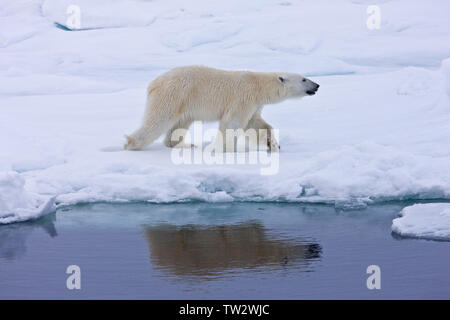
16 204
428 221
377 130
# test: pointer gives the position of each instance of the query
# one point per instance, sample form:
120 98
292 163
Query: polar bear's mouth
311 92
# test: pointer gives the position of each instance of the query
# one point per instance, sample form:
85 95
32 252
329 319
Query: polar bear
235 98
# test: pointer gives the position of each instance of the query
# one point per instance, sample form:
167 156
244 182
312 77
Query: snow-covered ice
378 129
428 221
17 204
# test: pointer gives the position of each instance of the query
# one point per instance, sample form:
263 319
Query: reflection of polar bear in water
235 98
210 250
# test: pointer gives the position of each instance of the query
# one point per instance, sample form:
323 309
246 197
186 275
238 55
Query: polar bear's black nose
313 90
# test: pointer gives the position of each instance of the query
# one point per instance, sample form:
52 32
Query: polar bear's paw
273 145
131 144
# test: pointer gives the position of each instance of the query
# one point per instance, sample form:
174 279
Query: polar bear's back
201 90
200 78
204 93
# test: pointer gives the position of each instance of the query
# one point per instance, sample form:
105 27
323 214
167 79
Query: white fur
235 98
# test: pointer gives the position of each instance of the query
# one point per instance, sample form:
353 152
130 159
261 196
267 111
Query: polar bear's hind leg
152 128
177 141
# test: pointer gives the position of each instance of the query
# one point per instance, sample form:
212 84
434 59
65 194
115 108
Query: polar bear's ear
281 79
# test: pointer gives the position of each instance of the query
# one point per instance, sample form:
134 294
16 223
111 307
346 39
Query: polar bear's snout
311 87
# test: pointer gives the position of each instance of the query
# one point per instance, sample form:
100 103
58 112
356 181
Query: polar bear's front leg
272 144
265 136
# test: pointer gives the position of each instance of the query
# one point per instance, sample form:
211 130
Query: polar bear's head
296 86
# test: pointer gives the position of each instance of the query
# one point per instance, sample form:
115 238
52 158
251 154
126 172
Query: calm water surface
219 251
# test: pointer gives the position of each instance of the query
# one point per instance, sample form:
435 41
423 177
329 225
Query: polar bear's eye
281 79
304 80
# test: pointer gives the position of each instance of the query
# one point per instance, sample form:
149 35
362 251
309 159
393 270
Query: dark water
219 251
